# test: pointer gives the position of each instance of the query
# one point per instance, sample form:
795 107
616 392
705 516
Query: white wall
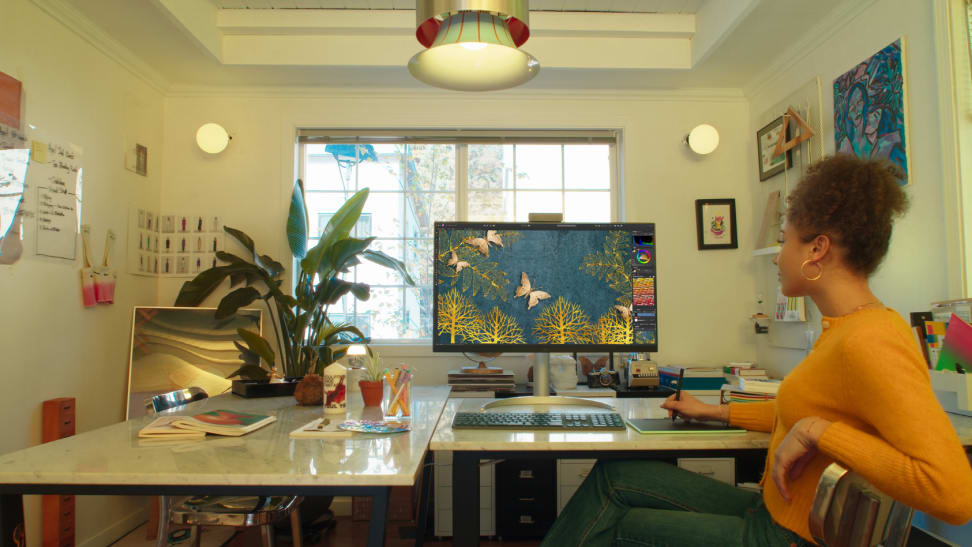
701 294
914 273
50 345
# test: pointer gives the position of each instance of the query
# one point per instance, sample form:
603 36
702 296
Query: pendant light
473 44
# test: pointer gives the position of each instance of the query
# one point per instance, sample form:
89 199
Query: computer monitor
538 287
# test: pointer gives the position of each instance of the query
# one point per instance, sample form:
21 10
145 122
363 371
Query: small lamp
702 139
212 138
355 351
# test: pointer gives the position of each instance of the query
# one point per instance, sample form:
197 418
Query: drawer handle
528 499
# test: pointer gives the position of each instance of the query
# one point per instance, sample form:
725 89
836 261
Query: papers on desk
321 428
217 422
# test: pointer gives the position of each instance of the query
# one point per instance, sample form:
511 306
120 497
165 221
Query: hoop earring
819 271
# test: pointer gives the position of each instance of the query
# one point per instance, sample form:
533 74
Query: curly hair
854 201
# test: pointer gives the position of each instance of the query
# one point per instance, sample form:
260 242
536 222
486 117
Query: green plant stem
276 331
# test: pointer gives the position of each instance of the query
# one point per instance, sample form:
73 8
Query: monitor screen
545 287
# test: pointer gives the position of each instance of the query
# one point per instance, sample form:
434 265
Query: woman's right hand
690 407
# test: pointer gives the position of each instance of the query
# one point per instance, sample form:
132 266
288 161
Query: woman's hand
797 449
690 407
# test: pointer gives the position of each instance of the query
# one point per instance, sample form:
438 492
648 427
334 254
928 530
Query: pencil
678 391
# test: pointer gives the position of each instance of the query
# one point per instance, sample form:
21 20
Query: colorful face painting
869 109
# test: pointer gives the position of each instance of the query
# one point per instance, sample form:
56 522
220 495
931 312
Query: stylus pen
678 391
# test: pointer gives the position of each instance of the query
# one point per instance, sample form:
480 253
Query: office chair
848 511
237 511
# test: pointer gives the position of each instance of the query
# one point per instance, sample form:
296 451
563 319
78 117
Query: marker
678 391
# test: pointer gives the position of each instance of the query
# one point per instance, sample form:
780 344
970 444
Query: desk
112 461
470 446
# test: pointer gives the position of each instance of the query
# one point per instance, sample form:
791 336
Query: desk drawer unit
721 469
443 496
570 475
526 490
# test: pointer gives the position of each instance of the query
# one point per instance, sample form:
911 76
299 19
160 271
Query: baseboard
117 530
341 506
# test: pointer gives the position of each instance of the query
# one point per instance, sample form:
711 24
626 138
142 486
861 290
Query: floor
346 533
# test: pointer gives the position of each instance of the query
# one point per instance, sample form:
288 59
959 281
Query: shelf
775 249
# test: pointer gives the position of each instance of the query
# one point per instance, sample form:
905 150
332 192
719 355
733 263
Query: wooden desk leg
465 499
12 531
423 514
379 516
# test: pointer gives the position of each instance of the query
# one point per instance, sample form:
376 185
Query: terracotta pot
371 392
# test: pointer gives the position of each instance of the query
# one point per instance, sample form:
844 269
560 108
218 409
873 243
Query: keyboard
604 421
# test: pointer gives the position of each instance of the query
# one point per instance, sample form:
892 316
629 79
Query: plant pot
253 388
371 392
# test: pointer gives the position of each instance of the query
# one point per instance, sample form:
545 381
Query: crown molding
681 95
78 23
823 31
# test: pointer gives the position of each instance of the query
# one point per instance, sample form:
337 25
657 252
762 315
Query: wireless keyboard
604 421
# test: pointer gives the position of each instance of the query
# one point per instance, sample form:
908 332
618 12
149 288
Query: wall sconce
473 45
212 138
702 139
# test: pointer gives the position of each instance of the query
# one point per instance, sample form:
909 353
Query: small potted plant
371 385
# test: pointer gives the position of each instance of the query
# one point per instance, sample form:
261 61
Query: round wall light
212 138
703 139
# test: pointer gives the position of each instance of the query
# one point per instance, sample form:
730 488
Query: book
664 426
217 422
759 386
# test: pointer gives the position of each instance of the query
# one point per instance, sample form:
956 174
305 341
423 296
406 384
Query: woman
862 397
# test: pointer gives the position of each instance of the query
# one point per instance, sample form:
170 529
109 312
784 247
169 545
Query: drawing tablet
664 426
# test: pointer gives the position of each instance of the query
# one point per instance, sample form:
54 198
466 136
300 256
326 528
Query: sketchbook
665 426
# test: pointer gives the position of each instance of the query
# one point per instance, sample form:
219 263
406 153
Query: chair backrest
848 511
172 399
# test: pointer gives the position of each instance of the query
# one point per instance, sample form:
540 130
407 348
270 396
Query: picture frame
715 223
766 139
141 160
177 348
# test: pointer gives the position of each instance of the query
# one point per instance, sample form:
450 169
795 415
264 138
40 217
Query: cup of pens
398 399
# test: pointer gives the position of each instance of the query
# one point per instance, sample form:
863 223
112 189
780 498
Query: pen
678 391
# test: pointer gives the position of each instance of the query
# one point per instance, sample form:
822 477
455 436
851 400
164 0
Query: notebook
665 426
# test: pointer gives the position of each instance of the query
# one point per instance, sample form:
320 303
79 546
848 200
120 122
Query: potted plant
371 385
306 339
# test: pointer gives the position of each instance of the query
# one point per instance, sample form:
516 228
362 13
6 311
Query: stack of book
479 385
695 380
745 382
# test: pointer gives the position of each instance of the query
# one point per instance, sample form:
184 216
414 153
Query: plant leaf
247 356
257 344
264 262
382 259
235 300
297 222
250 372
194 291
338 228
361 291
345 249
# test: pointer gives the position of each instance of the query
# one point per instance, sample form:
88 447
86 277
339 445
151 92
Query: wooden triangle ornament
805 133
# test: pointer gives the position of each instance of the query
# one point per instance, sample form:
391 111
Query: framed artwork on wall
766 139
870 109
716 223
178 348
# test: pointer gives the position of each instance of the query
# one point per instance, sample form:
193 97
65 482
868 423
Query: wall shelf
775 249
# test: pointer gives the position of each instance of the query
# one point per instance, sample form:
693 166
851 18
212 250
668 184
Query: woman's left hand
797 449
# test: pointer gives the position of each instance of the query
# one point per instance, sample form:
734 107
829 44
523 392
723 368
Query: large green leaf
381 258
338 228
344 250
269 265
297 222
196 290
250 372
257 344
234 300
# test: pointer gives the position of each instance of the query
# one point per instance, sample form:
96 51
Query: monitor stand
541 391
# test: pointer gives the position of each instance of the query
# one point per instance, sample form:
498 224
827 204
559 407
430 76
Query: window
414 182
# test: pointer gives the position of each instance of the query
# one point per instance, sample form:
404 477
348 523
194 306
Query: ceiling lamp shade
472 44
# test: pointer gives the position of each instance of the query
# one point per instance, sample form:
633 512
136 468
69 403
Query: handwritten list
58 182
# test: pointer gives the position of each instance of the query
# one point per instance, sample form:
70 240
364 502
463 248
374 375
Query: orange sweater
867 376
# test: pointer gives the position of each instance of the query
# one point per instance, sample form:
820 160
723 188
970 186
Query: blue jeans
645 502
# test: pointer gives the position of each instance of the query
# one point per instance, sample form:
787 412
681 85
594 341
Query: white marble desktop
114 455
445 438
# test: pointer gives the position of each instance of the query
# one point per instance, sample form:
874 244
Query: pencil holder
398 401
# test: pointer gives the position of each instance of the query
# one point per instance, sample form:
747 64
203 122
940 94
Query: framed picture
141 160
178 348
766 139
716 223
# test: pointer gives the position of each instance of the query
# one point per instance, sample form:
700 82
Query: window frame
462 139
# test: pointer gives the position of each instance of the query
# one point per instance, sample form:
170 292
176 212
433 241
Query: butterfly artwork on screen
532 295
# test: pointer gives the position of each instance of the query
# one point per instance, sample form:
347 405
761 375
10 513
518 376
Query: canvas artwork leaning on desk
861 397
